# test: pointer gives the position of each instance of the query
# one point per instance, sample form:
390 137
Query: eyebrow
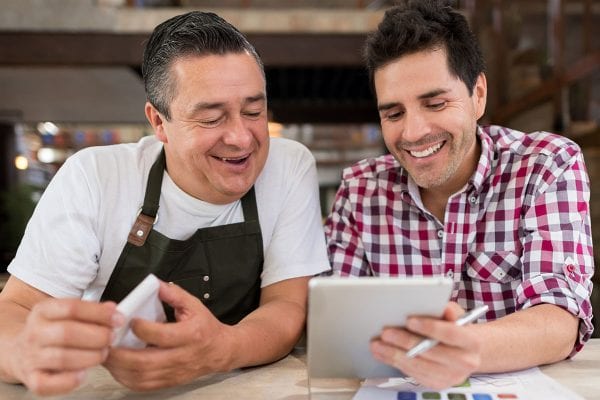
217 105
432 93
427 95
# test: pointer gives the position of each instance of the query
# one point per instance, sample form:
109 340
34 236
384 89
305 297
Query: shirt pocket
493 267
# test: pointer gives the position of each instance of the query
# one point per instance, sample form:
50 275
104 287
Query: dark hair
194 33
417 25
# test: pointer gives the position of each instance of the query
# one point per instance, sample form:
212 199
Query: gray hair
194 33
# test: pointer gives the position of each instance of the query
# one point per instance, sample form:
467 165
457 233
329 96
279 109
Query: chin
237 193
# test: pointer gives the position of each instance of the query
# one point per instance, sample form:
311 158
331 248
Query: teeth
426 152
232 159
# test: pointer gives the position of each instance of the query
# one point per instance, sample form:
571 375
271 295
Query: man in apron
209 203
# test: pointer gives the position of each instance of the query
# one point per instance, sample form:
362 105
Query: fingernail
375 348
81 376
118 319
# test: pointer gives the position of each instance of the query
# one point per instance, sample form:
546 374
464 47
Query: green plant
16 207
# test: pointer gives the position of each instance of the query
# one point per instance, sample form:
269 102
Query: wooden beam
289 112
103 49
549 88
309 49
556 37
582 108
501 56
70 49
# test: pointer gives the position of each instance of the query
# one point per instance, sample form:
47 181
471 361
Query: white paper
142 302
530 384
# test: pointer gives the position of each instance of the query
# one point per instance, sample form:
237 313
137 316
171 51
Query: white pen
427 344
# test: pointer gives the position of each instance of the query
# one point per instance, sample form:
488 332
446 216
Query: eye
394 116
211 123
253 114
437 106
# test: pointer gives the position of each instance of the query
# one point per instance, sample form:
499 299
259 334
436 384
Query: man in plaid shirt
503 213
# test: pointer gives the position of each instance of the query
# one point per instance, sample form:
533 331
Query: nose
416 126
237 133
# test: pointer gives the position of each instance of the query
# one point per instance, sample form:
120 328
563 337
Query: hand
195 345
60 340
449 363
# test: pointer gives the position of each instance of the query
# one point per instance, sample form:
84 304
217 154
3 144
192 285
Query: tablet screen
344 314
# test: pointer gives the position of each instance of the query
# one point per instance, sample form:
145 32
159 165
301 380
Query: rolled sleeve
558 257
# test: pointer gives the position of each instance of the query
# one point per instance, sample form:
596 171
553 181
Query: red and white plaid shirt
517 235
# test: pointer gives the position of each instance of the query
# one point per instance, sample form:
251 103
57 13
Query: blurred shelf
3 279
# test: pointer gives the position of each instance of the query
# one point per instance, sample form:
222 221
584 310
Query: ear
157 122
480 95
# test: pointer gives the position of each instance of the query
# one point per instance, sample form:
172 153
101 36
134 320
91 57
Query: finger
139 365
452 311
453 358
181 301
137 382
60 359
400 338
46 383
160 334
75 334
444 331
134 359
424 371
385 352
162 369
60 309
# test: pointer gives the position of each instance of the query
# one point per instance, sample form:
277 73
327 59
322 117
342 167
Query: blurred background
70 78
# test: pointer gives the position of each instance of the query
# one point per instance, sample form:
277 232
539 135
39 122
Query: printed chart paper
530 384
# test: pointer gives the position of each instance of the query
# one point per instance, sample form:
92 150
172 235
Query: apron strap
152 197
147 215
249 206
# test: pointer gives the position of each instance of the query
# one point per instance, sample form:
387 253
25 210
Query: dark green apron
220 265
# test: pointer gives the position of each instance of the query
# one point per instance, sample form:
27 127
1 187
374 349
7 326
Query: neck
435 201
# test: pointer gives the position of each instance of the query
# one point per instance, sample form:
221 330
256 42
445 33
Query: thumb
453 311
184 303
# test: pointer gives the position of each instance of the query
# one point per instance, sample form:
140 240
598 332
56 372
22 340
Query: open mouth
428 151
233 160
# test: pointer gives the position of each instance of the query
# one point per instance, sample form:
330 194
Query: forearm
266 335
538 335
13 319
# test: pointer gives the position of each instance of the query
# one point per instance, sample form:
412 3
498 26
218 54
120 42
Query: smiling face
216 142
429 120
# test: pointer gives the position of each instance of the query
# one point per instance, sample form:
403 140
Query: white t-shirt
78 229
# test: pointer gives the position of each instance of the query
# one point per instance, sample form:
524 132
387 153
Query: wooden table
286 379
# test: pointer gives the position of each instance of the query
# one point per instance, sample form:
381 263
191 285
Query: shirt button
570 268
205 278
473 199
206 296
450 273
440 233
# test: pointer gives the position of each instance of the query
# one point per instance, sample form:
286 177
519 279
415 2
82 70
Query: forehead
217 77
414 74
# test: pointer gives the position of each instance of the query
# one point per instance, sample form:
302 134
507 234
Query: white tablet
344 314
